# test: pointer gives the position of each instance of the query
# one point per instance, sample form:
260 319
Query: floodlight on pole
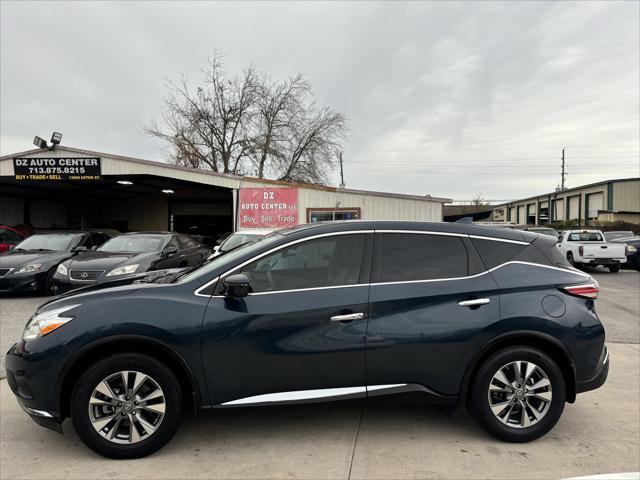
39 142
56 138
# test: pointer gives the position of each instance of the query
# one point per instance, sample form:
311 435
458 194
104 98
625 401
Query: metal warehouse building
73 188
610 200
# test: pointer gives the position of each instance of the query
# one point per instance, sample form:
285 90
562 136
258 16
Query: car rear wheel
126 406
570 259
614 268
518 394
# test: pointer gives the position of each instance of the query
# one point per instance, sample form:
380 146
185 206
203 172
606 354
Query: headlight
123 270
46 322
33 267
62 270
631 248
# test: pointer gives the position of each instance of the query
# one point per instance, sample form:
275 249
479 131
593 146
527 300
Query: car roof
151 233
444 227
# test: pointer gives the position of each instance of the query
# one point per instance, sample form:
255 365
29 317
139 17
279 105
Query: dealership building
609 200
71 188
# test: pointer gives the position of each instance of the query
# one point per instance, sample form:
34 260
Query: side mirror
11 247
236 286
79 249
170 251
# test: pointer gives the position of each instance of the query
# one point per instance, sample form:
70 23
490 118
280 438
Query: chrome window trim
309 289
419 232
301 395
425 232
503 240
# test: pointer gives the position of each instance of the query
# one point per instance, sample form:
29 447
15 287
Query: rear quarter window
494 253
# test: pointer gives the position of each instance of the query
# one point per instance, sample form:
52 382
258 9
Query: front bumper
22 282
63 284
602 371
33 369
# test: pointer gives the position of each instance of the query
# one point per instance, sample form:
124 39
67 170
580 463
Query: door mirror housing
236 286
79 249
169 251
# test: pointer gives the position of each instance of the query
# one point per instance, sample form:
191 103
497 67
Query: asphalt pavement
598 434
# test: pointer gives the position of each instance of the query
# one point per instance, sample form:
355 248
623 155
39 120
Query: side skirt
329 395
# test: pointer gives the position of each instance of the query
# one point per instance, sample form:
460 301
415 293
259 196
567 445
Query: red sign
268 207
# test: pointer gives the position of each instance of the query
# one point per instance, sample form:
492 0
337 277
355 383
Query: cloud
451 99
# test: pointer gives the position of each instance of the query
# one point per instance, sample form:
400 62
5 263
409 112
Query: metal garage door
595 202
558 214
574 206
512 215
521 215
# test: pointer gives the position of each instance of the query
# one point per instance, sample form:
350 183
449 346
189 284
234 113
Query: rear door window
408 256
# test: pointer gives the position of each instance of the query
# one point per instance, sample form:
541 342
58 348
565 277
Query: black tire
102 369
571 260
614 268
47 283
480 394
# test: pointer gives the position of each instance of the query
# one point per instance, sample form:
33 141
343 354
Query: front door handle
349 317
476 302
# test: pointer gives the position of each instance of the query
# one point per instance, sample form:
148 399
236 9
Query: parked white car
236 239
588 247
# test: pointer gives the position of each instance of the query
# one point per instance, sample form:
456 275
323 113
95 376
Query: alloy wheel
520 394
127 407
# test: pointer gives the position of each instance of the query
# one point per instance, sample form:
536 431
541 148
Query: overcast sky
450 99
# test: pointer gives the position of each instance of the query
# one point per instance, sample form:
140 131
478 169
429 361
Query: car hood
105 260
18 258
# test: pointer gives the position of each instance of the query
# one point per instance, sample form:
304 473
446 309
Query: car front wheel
126 406
518 394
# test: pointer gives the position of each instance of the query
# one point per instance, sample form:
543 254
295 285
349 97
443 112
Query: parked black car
633 251
31 264
491 319
128 254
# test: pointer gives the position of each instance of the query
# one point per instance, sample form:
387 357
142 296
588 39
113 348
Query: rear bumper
602 371
603 261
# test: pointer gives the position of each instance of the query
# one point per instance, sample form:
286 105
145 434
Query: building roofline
425 198
602 182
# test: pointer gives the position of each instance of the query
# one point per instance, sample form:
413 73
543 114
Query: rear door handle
476 302
349 317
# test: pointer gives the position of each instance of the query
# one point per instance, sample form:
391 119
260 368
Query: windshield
585 237
231 257
55 242
615 235
236 240
133 244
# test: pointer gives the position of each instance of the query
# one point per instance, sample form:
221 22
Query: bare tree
249 125
209 127
315 137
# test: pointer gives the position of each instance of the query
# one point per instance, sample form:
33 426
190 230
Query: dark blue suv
489 319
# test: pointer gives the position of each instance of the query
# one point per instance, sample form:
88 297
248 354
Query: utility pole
342 184
563 174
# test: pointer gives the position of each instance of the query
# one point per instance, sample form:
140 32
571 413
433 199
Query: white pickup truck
588 247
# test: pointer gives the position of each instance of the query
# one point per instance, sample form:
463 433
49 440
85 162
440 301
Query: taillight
581 250
586 290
